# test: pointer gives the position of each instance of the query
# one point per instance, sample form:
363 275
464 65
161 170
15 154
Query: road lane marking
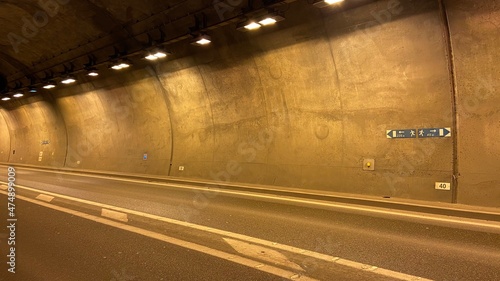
45 198
4 187
471 224
214 187
174 241
249 239
110 214
262 253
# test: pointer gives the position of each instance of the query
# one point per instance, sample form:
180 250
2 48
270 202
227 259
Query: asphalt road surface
63 244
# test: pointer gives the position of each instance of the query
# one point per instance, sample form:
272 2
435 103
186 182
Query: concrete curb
448 209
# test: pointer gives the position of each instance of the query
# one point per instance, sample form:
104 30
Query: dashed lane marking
188 245
249 239
45 198
110 214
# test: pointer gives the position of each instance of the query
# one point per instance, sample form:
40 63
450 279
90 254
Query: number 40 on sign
443 186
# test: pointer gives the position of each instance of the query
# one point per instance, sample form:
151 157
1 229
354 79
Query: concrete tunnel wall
112 123
475 29
4 140
301 105
37 133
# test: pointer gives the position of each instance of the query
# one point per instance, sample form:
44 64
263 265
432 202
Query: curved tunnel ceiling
44 35
37 34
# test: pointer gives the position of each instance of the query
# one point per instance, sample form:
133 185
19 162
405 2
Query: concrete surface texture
38 133
475 29
301 104
4 141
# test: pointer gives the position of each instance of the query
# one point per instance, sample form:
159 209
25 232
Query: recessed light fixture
49 85
326 3
92 72
18 95
331 2
151 57
267 21
202 40
5 98
32 89
119 65
68 80
248 25
271 19
156 54
252 26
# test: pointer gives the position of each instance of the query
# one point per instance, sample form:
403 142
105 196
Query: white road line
211 186
46 198
262 253
192 246
110 214
249 239
382 212
4 187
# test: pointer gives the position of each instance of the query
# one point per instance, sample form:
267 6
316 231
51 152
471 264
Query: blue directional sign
145 156
402 134
434 133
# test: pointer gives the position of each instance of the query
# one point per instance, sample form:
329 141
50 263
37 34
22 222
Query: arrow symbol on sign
445 132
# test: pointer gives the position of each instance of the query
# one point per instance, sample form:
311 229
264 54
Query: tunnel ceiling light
68 80
326 3
5 98
92 72
202 40
156 54
331 2
151 57
18 95
119 65
49 85
32 89
267 21
248 25
271 19
252 26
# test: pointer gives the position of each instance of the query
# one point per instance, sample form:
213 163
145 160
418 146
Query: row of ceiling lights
91 72
157 53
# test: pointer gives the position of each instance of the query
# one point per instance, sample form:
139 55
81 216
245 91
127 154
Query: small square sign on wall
145 156
443 186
